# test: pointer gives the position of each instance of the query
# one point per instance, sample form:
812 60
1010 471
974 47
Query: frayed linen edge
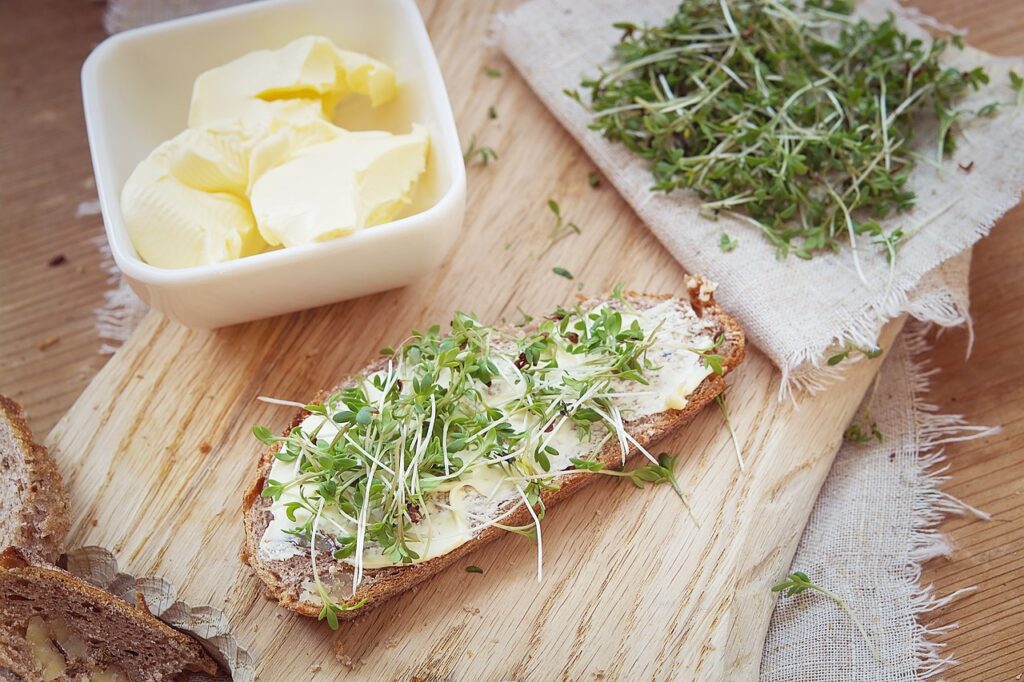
932 505
121 311
807 371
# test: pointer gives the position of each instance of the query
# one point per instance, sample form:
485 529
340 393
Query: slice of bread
54 626
33 503
288 580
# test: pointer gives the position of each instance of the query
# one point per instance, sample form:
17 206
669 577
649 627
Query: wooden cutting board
158 450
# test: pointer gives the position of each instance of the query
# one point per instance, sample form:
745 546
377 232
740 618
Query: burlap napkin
794 310
872 527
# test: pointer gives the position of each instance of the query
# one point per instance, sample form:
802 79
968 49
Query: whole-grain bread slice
33 502
90 630
287 580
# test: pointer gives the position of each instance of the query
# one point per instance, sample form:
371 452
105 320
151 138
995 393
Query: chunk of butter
191 201
185 204
336 188
310 69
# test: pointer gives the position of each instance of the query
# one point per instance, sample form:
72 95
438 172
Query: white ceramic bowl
136 88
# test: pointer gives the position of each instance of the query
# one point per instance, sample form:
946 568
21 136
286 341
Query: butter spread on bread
471 434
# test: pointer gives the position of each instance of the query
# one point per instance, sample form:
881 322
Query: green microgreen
1017 85
660 472
482 155
332 608
859 433
711 359
797 117
618 295
527 318
720 401
850 348
492 113
864 429
264 435
560 230
492 72
798 582
472 568
727 243
593 179
562 272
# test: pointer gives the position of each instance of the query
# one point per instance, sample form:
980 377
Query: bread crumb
315 669
391 643
47 342
205 448
470 610
95 523
340 655
600 674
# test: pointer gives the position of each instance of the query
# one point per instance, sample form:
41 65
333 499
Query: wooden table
49 349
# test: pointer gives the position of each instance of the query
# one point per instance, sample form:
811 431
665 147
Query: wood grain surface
158 450
48 353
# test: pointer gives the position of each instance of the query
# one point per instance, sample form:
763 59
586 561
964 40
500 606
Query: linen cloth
870 530
877 509
793 310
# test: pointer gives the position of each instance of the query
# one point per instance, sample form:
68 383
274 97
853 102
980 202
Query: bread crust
27 586
34 504
283 579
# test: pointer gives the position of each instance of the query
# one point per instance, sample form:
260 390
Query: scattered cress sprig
482 155
864 428
798 582
561 229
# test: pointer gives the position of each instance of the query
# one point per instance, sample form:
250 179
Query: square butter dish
136 88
